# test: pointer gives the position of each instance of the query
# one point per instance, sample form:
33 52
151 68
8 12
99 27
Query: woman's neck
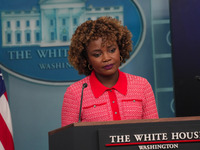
108 81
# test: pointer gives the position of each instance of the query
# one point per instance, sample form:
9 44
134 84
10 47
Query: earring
90 67
121 59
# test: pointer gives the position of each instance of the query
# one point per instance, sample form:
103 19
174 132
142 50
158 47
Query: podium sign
181 133
178 136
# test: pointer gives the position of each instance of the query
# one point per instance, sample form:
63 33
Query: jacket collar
98 88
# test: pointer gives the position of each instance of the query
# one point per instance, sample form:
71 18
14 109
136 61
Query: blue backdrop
36 107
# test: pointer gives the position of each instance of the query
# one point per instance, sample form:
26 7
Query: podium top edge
79 124
135 121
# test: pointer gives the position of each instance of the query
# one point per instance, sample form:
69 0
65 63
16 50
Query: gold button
94 106
133 100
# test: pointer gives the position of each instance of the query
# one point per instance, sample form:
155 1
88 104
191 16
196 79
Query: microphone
83 87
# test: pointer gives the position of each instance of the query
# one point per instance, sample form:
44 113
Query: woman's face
104 60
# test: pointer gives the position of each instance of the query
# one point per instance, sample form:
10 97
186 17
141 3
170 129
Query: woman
97 50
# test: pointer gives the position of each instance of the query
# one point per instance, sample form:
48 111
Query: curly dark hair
107 28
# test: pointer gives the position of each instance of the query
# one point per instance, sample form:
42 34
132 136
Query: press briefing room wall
36 107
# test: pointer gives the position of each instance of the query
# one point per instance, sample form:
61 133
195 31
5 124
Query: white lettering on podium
151 137
120 138
185 135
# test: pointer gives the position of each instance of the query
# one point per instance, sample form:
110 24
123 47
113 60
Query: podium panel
181 133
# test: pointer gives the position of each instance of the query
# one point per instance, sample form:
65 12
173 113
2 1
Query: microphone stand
83 87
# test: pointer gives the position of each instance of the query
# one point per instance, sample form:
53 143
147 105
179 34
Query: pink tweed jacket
131 98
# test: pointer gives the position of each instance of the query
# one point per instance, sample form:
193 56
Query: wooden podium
181 133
